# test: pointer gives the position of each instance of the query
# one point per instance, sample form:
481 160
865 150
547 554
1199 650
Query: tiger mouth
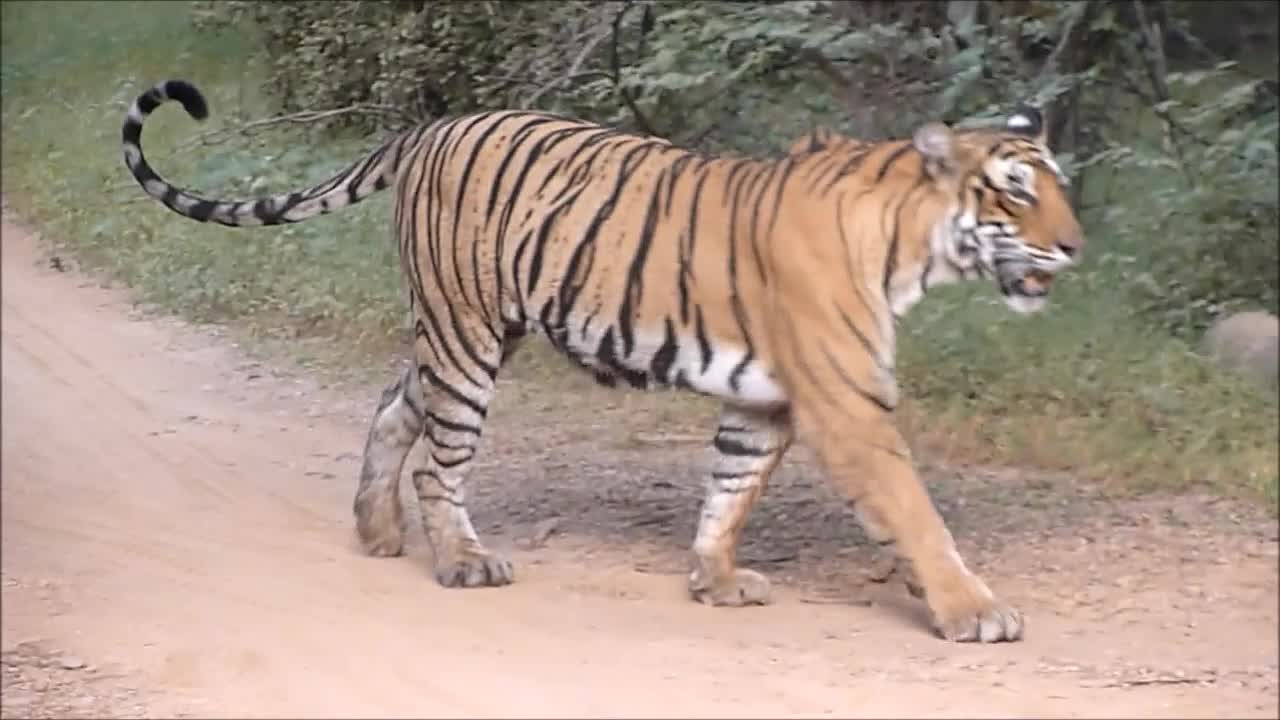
1035 283
1031 284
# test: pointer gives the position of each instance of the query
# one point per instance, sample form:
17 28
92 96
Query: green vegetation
1179 193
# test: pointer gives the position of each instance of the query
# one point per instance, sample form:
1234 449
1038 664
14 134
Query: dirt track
177 540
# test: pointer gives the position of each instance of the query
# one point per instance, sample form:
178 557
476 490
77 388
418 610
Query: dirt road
177 540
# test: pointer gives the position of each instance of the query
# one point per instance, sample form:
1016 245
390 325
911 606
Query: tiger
772 285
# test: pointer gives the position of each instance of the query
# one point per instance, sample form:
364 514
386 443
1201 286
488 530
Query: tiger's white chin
1025 304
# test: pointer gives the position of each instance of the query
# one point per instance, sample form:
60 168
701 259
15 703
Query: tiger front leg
748 446
870 462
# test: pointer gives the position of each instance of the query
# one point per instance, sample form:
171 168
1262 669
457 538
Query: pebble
71 662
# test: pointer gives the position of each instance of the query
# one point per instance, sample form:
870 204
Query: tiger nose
1071 244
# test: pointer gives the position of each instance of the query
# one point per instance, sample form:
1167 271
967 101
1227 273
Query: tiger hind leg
457 401
397 423
748 446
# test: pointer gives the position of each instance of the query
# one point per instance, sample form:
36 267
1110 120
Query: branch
1152 52
1061 108
574 70
298 118
641 121
844 87
1195 43
1166 116
1050 66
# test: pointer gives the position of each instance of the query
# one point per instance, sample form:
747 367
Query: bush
402 61
1212 228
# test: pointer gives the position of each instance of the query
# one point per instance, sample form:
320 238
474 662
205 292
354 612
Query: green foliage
415 61
1212 226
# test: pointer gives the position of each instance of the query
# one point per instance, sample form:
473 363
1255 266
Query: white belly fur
756 384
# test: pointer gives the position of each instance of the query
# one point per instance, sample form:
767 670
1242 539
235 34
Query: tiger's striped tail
366 176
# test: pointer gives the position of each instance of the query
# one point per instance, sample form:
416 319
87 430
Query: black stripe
420 331
700 332
433 209
862 338
674 173
454 394
634 290
666 354
447 464
460 332
436 442
850 165
764 173
411 229
149 101
740 314
568 291
540 240
460 193
523 134
685 274
561 203
594 136
521 246
788 167
729 446
855 280
721 476
891 255
478 146
448 354
131 132
735 299
437 421
889 161
853 384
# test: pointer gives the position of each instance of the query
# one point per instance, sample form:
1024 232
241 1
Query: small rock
1248 342
71 662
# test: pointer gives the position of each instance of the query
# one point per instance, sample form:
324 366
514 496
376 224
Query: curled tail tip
185 93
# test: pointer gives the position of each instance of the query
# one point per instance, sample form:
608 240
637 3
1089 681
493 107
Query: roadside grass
1088 387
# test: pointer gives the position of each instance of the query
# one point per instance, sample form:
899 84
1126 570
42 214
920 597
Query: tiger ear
934 142
1027 120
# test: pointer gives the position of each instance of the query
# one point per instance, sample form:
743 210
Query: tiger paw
474 568
388 545
988 622
743 587
380 528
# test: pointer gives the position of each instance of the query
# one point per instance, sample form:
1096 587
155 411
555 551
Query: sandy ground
177 541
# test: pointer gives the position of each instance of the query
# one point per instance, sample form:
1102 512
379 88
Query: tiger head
1005 210
1011 217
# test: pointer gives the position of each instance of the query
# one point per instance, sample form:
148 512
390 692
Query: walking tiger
771 284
